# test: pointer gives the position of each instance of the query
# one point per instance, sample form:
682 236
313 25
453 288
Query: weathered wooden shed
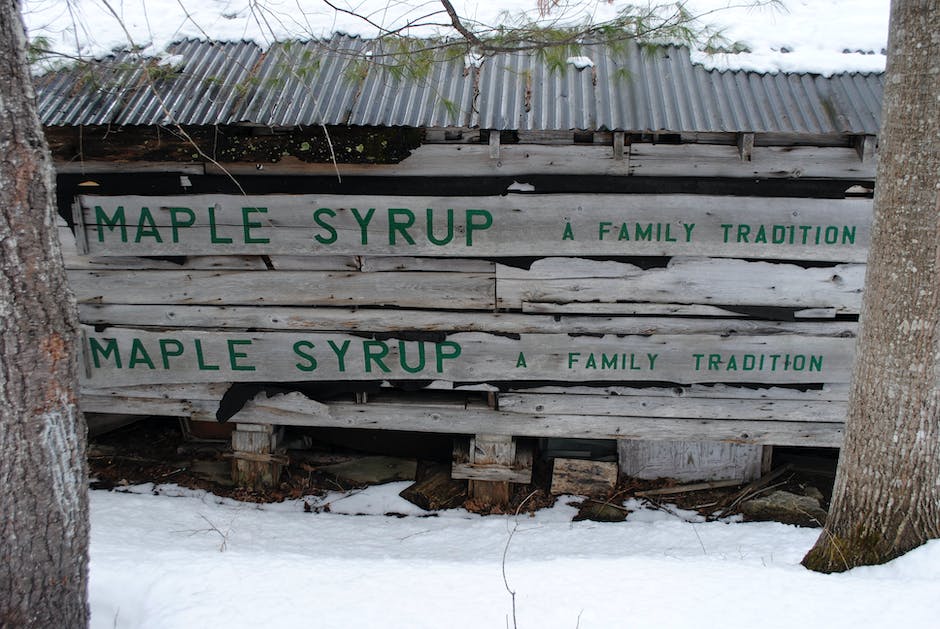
636 249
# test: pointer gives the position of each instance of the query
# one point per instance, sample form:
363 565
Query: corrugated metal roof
630 88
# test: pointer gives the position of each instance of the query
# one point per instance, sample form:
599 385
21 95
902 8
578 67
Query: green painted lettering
147 227
340 354
299 349
848 235
214 237
568 234
404 360
520 361
248 225
234 355
116 220
446 350
139 355
394 225
176 223
363 223
375 351
109 350
166 354
644 233
573 357
450 228
201 360
603 228
331 238
472 226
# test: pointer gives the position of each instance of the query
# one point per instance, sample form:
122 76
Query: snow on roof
822 37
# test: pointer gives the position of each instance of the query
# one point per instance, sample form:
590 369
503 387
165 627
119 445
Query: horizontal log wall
569 311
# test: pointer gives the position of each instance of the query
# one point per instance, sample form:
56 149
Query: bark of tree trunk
887 494
43 489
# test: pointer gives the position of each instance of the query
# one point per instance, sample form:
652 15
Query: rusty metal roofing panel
87 94
341 80
306 83
197 85
440 95
523 91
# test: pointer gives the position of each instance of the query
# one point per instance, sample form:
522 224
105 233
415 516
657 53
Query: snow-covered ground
789 35
186 559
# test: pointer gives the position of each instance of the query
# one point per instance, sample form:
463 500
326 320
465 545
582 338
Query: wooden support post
865 147
745 146
491 463
494 144
256 460
767 460
618 145
491 450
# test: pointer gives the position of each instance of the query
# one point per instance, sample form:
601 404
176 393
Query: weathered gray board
644 159
560 281
294 409
683 280
121 356
327 319
513 225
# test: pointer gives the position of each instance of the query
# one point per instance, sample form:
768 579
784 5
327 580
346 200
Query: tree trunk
43 490
887 494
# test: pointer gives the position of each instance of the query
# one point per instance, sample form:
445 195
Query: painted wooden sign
513 225
119 357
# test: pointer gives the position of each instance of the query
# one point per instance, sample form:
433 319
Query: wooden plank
639 309
654 406
704 160
122 356
376 264
470 421
835 230
582 477
689 460
128 263
828 392
408 290
684 280
94 167
315 263
323 319
296 410
462 160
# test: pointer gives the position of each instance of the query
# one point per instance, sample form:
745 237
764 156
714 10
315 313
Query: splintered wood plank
685 280
470 421
123 356
711 160
319 318
294 409
836 230
779 410
827 392
414 290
